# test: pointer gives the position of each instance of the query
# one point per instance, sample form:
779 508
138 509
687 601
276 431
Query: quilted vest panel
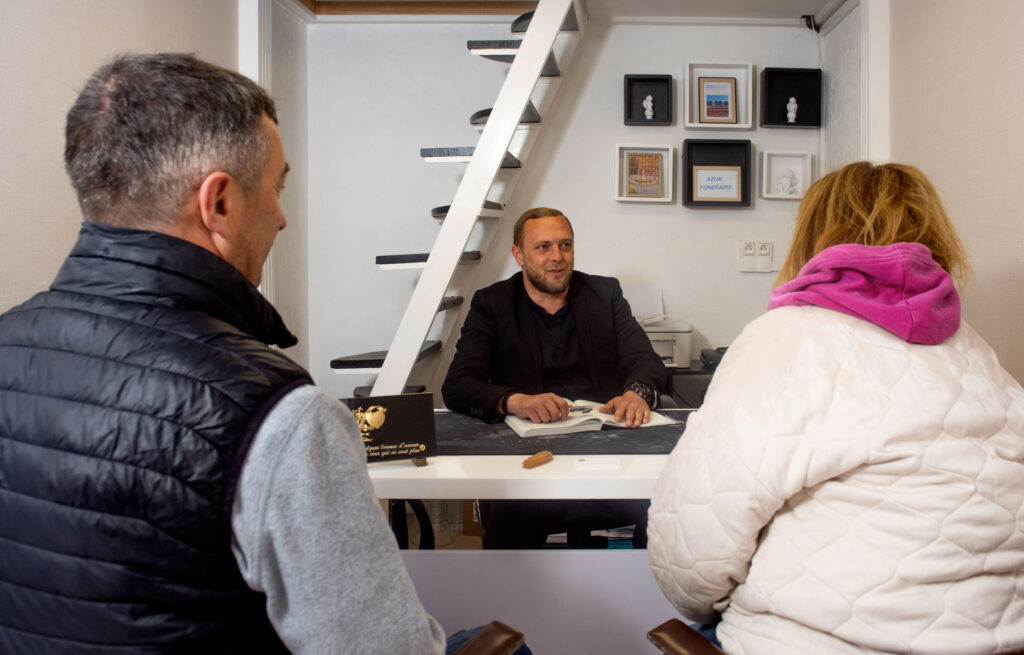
123 426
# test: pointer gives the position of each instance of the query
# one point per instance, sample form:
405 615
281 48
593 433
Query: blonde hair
874 205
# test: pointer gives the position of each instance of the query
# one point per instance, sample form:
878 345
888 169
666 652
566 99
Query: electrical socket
763 260
747 256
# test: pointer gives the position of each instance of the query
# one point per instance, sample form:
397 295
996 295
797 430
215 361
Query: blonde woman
854 481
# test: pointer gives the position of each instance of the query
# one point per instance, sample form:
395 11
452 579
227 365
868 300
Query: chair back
673 637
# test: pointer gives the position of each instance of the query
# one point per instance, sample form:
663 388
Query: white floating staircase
507 133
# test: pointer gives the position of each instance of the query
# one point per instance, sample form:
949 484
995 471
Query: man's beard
538 279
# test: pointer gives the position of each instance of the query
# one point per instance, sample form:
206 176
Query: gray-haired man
168 481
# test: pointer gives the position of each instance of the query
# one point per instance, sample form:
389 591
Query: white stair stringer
524 71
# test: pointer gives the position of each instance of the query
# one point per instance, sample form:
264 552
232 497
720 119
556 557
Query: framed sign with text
716 173
717 184
395 427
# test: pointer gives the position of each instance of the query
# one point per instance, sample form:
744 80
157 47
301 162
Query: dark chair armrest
495 638
674 637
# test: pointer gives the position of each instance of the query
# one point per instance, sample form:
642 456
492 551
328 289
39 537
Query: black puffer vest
129 394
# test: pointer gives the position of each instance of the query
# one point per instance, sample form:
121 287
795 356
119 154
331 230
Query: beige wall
48 48
957 102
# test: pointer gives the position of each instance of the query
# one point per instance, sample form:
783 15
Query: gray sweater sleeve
309 533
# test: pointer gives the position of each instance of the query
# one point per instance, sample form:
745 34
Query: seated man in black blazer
545 335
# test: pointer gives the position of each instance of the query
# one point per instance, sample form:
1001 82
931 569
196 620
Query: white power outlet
748 256
763 259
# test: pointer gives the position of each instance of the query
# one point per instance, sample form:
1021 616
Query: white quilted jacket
866 495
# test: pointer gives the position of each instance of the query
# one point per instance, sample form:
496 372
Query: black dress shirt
565 372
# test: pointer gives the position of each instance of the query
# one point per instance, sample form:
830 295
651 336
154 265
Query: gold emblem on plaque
369 420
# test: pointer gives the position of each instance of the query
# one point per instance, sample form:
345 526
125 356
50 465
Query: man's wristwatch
649 395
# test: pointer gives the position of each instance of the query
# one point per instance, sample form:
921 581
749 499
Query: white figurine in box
649 107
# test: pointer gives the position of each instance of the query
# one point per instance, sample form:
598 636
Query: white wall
956 107
380 92
48 49
841 105
377 94
289 259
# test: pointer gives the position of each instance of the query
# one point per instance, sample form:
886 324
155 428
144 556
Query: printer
672 341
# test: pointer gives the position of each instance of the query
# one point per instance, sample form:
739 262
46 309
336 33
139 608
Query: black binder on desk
460 434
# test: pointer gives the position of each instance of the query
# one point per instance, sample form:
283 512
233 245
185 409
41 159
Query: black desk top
459 434
696 368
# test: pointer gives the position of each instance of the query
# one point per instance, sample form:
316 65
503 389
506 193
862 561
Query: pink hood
898 287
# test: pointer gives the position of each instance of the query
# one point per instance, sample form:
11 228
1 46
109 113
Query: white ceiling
613 10
607 10
654 10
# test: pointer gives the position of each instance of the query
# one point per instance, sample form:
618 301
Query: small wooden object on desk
539 459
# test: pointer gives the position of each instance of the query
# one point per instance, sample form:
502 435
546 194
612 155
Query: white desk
564 601
500 476
503 477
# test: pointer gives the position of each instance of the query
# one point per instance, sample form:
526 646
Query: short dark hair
147 129
536 212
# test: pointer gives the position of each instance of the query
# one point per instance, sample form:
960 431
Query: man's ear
517 254
218 195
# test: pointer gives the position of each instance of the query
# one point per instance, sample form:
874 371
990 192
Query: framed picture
785 175
732 80
644 173
717 173
717 183
648 100
803 85
717 96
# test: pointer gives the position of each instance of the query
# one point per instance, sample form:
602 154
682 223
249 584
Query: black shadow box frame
778 85
638 87
717 152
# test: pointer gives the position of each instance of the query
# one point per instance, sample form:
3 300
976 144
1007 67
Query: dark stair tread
530 115
421 257
448 302
550 65
440 212
509 161
375 359
365 391
494 44
520 24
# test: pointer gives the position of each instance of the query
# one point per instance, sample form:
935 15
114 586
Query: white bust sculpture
649 107
787 183
791 111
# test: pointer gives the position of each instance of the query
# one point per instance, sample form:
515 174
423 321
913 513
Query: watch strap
643 390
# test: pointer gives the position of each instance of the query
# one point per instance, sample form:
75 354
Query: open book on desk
590 419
